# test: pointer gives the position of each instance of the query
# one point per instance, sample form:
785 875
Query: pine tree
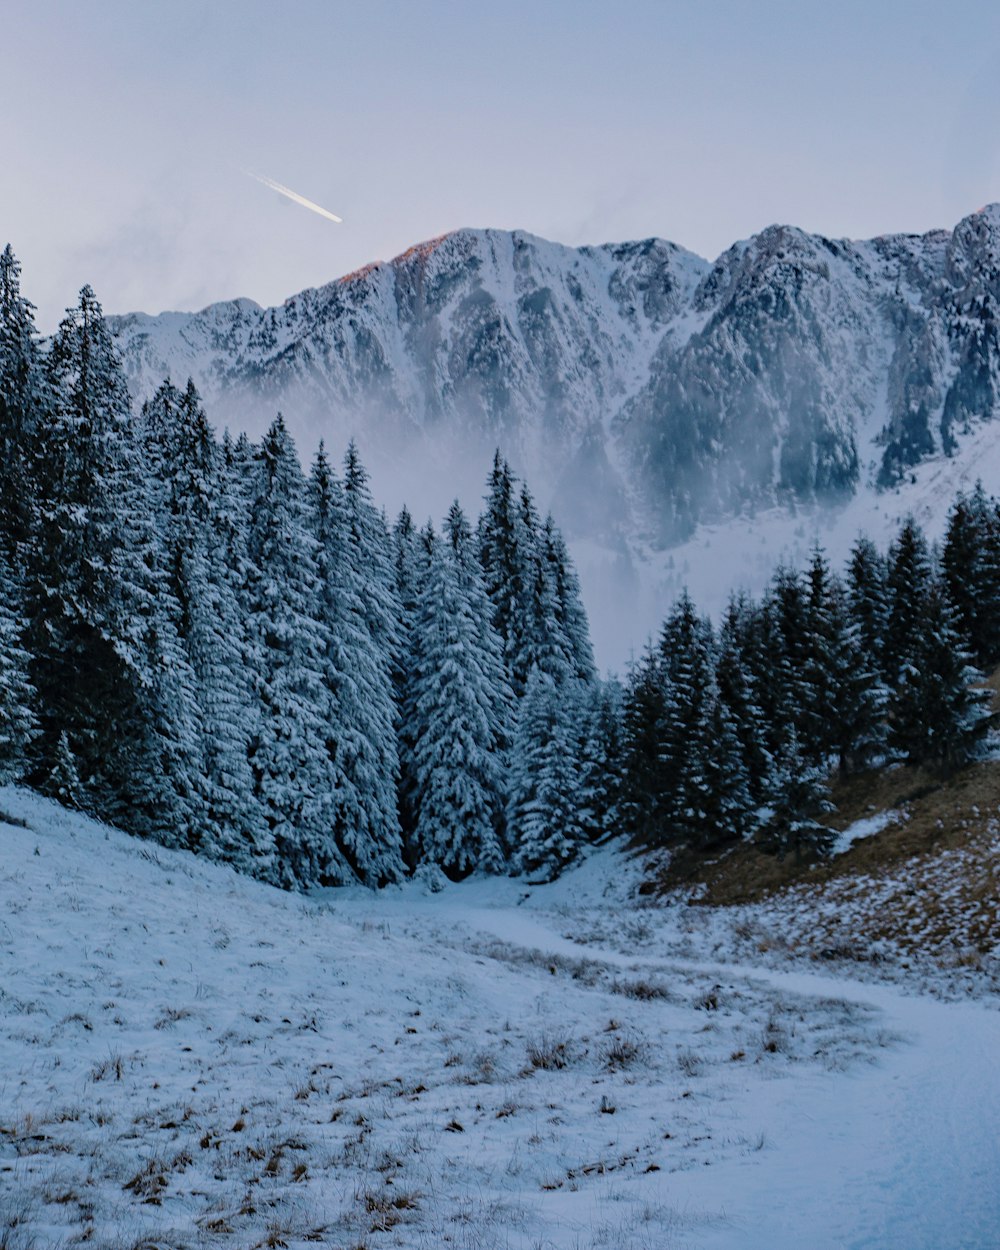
570 616
789 656
506 561
237 487
89 592
737 687
686 652
705 798
971 565
820 675
361 618
17 718
204 571
868 603
165 794
488 643
543 804
542 641
170 805
845 699
22 396
412 560
602 757
643 799
410 573
765 658
908 584
801 796
727 805
457 713
940 714
859 697
288 755
63 782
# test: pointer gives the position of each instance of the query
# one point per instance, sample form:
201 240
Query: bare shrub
171 1015
644 989
16 1217
548 1054
623 1051
689 1062
774 1038
385 1206
113 1066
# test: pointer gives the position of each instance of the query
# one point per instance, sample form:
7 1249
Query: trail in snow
905 1155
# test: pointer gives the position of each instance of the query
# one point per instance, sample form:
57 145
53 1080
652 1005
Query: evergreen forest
209 644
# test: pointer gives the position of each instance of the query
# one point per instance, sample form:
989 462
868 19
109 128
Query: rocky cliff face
641 388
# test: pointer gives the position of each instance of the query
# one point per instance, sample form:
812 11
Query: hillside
196 1059
914 884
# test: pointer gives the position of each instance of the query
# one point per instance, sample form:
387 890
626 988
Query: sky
130 128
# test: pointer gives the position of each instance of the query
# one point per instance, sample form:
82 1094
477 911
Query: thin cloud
294 196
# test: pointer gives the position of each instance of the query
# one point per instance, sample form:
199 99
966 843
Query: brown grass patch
935 815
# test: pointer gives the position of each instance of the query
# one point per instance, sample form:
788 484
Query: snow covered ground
189 1058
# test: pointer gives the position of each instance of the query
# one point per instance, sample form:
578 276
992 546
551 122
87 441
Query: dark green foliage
570 619
458 711
688 782
867 601
643 788
603 763
971 565
844 708
292 777
63 782
199 644
537 608
202 573
89 587
801 796
686 646
727 807
18 725
544 822
368 648
738 679
938 715
23 396
790 645
907 584
506 563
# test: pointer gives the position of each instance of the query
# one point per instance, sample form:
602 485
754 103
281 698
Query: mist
426 469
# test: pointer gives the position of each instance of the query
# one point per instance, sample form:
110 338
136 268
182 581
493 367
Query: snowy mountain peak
645 390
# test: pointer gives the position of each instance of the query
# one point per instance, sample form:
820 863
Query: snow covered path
191 1060
903 1155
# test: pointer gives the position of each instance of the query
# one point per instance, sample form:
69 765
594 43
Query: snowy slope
741 553
190 1058
646 394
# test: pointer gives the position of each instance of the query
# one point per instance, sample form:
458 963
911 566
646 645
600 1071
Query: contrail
293 196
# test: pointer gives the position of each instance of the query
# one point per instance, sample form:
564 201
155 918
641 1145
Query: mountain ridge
647 391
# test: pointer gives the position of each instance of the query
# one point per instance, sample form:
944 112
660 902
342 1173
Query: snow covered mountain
644 391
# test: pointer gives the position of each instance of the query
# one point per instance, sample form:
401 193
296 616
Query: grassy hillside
925 886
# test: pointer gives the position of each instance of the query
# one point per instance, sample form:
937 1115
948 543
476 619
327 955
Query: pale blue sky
127 125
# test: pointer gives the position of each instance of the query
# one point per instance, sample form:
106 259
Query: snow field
191 1058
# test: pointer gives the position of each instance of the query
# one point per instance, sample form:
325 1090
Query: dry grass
936 815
